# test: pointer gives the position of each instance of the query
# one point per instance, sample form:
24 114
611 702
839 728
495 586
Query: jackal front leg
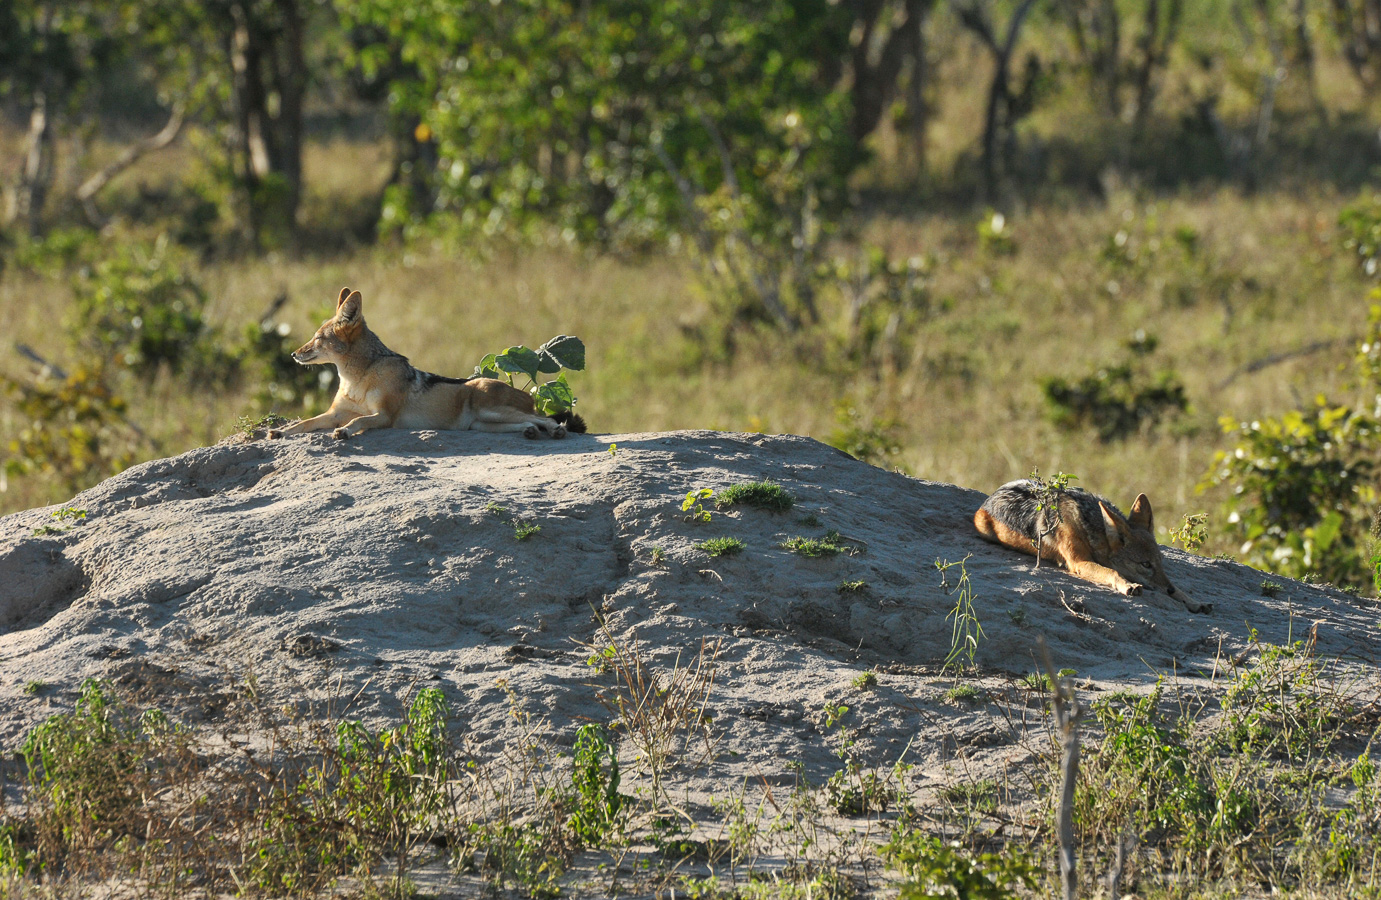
329 419
1089 570
363 423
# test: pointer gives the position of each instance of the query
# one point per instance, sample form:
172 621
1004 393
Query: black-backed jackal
380 389
1092 538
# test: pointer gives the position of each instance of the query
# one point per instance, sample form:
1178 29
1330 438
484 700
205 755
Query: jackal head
1135 553
333 339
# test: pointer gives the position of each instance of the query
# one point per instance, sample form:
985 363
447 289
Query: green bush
1301 491
139 307
597 807
1116 400
72 430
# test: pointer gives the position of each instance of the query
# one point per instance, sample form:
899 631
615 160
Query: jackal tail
574 424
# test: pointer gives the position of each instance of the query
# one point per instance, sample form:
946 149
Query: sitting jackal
380 389
1085 533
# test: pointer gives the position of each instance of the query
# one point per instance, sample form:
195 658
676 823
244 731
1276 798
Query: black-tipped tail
574 424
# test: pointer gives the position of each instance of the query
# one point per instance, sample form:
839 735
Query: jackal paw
559 431
530 432
340 434
273 434
1131 589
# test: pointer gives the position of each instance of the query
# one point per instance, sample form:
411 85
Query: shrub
72 429
139 307
1116 400
1301 490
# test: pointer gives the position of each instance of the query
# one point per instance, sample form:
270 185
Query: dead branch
86 194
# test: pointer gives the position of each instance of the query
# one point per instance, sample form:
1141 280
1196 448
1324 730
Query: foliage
828 545
1301 492
1360 223
1048 512
871 440
139 306
73 429
721 546
524 530
1192 531
63 520
90 764
761 494
693 506
1116 400
967 631
377 790
586 116
852 587
598 809
264 356
1282 703
549 396
886 300
935 869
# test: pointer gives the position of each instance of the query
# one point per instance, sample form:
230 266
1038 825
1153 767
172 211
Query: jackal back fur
1084 533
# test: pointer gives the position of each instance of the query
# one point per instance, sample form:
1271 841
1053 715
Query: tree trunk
31 192
998 116
268 84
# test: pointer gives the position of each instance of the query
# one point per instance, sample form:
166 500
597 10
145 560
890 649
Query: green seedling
64 520
693 508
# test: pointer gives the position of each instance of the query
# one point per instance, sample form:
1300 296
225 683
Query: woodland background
1132 240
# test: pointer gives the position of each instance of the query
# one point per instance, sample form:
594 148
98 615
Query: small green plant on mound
865 681
722 546
548 397
852 587
693 506
967 631
963 693
832 542
1192 533
762 494
524 530
250 426
64 520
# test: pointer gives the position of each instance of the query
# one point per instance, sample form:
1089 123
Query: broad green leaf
565 351
553 397
487 368
518 360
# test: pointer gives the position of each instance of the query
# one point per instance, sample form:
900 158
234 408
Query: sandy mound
328 570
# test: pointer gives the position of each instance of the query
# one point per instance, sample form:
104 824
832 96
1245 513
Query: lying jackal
1092 538
380 389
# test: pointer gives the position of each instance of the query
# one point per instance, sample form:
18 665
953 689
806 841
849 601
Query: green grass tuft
762 494
722 546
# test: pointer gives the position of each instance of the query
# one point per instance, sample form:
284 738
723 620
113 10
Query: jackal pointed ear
348 310
344 292
1140 516
1113 525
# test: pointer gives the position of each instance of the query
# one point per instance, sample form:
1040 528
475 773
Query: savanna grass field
1131 241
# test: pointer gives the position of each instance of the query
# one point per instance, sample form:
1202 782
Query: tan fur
1122 555
380 389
